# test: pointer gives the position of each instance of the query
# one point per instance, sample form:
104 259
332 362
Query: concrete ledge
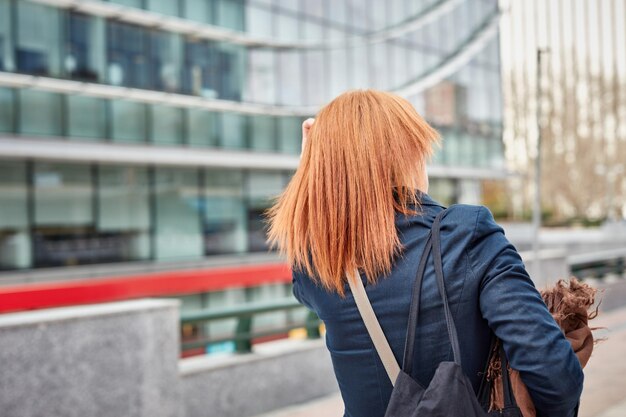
275 375
108 360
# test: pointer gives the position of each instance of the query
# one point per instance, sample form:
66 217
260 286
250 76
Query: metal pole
536 272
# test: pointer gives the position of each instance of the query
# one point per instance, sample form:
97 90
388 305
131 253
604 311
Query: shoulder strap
373 327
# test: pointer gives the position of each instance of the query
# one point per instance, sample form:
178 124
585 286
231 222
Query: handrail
244 332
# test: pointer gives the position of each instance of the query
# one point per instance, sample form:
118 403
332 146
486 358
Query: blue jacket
488 289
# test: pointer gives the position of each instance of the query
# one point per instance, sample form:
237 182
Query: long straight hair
359 167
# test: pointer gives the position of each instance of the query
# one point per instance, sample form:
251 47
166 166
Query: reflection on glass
262 133
6 37
234 130
126 49
64 232
124 212
225 213
6 110
169 7
263 186
199 10
164 61
230 14
14 233
200 68
178 205
128 121
40 113
84 51
86 117
131 3
202 128
290 135
38 39
167 124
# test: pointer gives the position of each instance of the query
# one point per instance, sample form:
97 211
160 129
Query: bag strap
373 327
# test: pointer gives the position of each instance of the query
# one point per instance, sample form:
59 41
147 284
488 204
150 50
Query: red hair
361 165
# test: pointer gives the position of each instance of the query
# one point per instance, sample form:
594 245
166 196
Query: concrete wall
117 360
552 266
277 374
122 360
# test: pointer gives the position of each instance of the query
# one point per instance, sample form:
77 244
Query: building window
199 10
165 58
234 130
6 110
128 121
64 228
38 39
167 125
224 224
263 133
290 135
15 250
85 49
178 233
202 128
168 7
128 64
231 14
6 37
40 113
129 3
200 69
86 117
261 189
124 212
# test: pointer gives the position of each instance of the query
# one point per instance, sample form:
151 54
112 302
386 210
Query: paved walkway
605 378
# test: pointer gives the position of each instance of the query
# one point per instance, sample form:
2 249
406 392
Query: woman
359 199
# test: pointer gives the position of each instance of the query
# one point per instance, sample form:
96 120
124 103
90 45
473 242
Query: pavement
604 394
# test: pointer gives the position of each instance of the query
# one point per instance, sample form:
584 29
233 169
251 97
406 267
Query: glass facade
59 214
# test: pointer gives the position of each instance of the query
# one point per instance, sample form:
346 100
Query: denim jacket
488 290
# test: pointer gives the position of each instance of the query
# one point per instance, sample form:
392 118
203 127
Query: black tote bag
450 393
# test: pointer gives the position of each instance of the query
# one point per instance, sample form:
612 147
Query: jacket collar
427 200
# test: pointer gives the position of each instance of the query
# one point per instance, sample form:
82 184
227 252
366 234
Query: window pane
234 130
165 59
128 120
86 117
131 3
84 55
64 225
178 231
40 113
169 7
230 14
202 127
225 216
14 232
6 110
198 10
38 39
127 60
124 212
230 71
262 187
6 37
290 135
167 124
263 133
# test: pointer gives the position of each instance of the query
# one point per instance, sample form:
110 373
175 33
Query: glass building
160 130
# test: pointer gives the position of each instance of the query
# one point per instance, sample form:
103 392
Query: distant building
158 130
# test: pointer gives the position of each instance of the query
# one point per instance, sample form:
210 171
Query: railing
598 264
244 332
